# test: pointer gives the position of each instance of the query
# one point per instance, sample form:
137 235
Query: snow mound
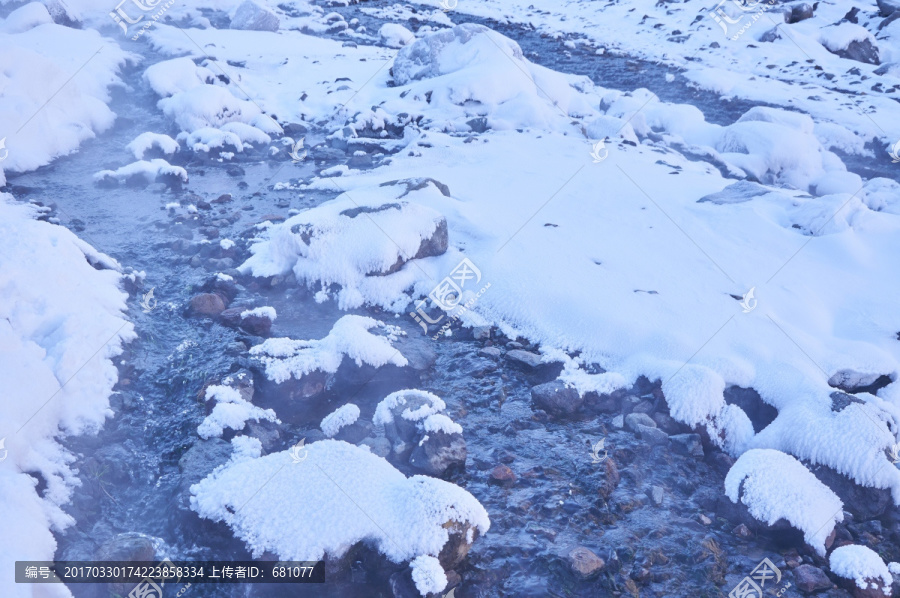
337 419
352 242
148 170
428 405
337 496
265 311
61 325
777 486
205 139
470 71
26 17
438 422
213 106
230 411
148 140
861 565
395 36
350 336
170 77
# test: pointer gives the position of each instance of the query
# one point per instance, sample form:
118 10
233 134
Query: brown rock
207 304
742 531
503 475
811 579
584 563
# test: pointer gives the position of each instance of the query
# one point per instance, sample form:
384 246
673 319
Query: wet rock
254 17
481 333
256 324
402 585
584 563
742 531
503 476
490 352
556 398
863 503
687 444
668 424
633 420
207 304
652 435
526 358
379 446
204 456
130 546
439 453
761 414
419 353
811 579
462 536
798 12
618 422
268 434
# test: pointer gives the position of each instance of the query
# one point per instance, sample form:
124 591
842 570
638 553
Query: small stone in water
503 475
584 563
742 531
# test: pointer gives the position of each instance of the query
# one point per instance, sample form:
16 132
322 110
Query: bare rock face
584 564
462 536
811 579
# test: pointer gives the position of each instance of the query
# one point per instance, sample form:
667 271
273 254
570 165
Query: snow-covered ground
619 232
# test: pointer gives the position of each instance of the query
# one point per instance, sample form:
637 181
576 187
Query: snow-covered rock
231 410
862 566
776 486
253 16
145 141
147 171
337 496
395 36
337 419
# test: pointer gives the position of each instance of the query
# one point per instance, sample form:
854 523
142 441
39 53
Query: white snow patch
861 565
337 419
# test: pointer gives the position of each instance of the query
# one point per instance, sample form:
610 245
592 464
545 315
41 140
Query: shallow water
131 480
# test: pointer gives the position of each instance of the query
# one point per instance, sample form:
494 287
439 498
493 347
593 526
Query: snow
61 325
148 170
433 404
340 417
438 422
350 336
427 574
395 36
839 36
26 17
170 77
205 139
861 565
263 312
146 141
230 411
340 494
776 486
226 244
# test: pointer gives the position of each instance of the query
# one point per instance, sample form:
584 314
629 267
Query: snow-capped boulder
852 41
253 16
169 77
775 486
557 398
341 417
869 577
335 497
352 243
25 17
395 36
145 142
231 411
143 172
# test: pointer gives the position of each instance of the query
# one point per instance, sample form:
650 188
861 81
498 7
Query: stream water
649 525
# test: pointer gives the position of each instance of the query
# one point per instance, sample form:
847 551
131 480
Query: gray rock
687 444
860 51
584 563
379 446
556 398
811 579
888 7
618 422
527 358
798 12
419 353
480 333
254 17
503 475
633 420
204 456
652 435
491 352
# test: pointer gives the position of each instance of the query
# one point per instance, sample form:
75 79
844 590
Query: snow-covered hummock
350 336
776 486
337 419
148 140
340 494
38 59
395 36
230 411
61 324
432 405
862 565
343 241
148 170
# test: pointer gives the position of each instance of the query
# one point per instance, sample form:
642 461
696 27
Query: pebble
503 475
633 420
490 352
742 531
525 357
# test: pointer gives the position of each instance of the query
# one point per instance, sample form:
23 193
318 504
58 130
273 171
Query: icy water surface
651 511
